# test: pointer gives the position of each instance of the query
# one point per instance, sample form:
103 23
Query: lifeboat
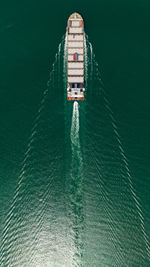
75 58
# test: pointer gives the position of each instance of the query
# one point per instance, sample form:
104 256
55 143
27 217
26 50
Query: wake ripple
122 152
5 248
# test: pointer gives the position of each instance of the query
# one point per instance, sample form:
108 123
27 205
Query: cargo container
75 58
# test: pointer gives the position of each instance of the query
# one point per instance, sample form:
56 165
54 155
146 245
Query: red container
75 56
81 22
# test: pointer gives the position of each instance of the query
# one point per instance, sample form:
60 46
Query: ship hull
75 58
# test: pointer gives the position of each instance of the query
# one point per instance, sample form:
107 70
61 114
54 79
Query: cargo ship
75 58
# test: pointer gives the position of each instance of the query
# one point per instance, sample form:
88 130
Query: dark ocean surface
74 177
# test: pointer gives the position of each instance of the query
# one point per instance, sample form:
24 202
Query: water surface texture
74 176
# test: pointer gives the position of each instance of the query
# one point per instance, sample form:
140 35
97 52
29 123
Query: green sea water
74 177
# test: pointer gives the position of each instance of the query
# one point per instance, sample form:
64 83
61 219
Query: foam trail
86 60
30 146
75 126
76 187
65 67
93 61
124 158
91 52
59 61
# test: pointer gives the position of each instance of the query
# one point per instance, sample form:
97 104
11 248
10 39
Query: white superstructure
75 58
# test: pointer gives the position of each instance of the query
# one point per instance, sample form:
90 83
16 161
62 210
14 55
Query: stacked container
75 58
